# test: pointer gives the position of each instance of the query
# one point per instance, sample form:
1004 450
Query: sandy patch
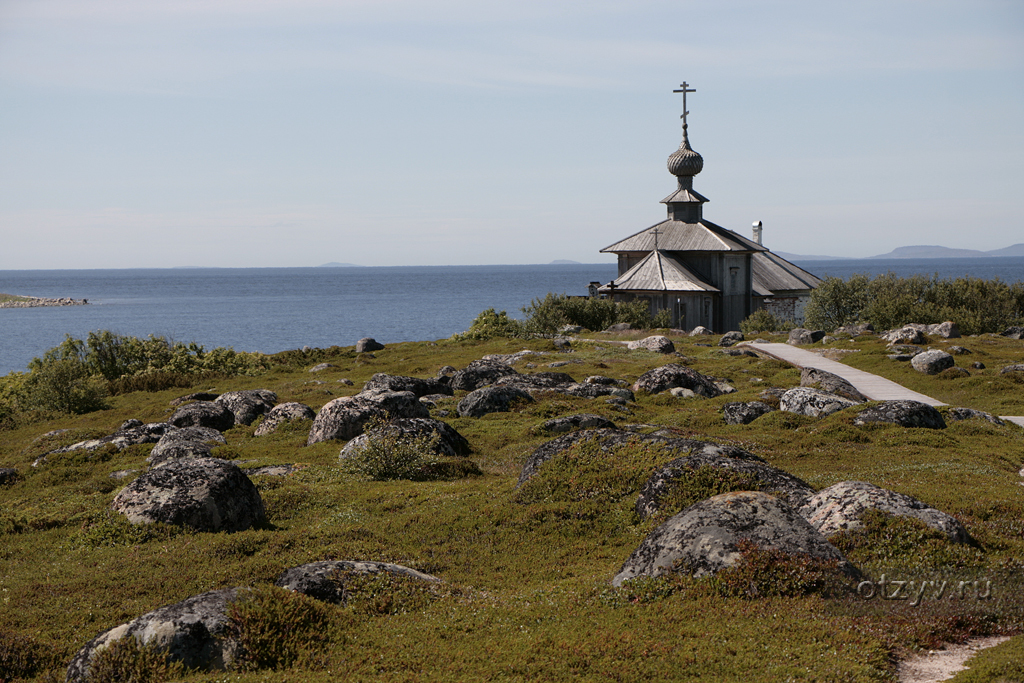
941 665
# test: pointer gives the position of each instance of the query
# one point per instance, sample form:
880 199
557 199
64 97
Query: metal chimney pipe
757 232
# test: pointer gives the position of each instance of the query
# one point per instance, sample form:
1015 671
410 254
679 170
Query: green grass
6 298
526 571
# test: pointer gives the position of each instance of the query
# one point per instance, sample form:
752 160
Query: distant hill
562 262
805 257
918 252
1014 250
335 264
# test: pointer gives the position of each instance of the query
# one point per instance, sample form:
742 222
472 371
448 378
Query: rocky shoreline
34 301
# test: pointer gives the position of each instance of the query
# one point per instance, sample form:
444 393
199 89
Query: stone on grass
908 334
619 327
131 433
932 362
830 382
745 413
902 413
730 338
680 392
198 396
325 580
203 414
739 352
190 632
320 367
185 442
856 330
536 381
954 373
368 344
345 417
840 506
1016 367
946 330
596 391
205 494
705 538
656 343
800 336
561 425
486 400
700 331
281 414
674 375
421 387
248 405
813 402
1015 332
480 373
8 475
604 381
959 350
958 414
449 443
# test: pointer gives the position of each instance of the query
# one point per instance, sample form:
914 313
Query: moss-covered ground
527 593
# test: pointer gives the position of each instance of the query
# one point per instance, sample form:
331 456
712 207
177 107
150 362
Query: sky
281 133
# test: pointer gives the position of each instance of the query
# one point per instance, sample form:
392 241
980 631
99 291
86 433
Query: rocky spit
34 301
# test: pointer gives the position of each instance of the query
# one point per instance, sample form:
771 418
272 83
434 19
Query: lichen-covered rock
197 396
1016 367
536 381
345 417
957 414
1015 332
730 338
205 494
610 439
497 399
511 358
449 443
903 413
561 425
946 330
191 632
840 506
604 381
740 352
745 413
700 331
320 367
813 402
480 373
596 391
704 539
656 343
762 477
421 387
908 334
855 330
185 442
673 375
203 414
800 336
282 414
830 382
932 362
247 405
131 433
325 580
368 344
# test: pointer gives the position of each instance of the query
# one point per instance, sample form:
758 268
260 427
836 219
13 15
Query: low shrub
274 628
766 572
763 321
65 386
22 657
388 454
700 484
128 660
490 324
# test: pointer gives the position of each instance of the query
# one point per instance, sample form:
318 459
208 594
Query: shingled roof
680 236
772 274
658 272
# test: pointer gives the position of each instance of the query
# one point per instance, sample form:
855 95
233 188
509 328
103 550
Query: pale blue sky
295 132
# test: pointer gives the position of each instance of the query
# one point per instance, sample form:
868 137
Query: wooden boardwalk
872 386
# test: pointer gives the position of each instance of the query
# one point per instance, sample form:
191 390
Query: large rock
610 439
480 373
840 506
204 414
946 330
700 331
800 336
730 338
674 375
763 477
131 433
450 443
813 402
344 418
205 494
561 425
704 539
830 382
1007 369
191 632
596 390
247 405
957 414
185 442
932 362
492 400
745 413
903 413
536 381
657 343
325 580
908 334
368 344
1015 332
282 414
421 387
855 330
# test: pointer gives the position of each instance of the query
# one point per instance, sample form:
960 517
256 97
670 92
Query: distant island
921 251
563 262
335 264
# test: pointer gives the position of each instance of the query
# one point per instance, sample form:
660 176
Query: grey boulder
800 336
656 343
745 413
840 507
325 581
561 425
421 387
730 338
248 405
1015 332
205 494
1007 369
902 413
830 382
480 373
932 362
283 413
131 433
185 442
946 330
191 632
345 417
813 402
908 334
674 375
367 344
204 414
704 539
496 399
958 414
449 443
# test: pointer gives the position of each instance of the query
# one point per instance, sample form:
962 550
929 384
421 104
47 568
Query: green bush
275 628
127 660
763 321
772 573
490 324
22 657
546 316
388 454
837 302
66 386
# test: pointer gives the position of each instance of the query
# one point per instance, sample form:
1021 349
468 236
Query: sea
276 309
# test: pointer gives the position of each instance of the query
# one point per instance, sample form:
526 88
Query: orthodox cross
685 89
655 232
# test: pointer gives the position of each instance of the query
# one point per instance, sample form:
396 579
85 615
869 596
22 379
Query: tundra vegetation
525 592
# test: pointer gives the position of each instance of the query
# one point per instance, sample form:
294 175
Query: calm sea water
275 309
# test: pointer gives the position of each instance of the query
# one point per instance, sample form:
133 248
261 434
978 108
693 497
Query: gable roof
680 236
658 272
771 273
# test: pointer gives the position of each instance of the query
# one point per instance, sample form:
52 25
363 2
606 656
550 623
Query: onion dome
684 161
